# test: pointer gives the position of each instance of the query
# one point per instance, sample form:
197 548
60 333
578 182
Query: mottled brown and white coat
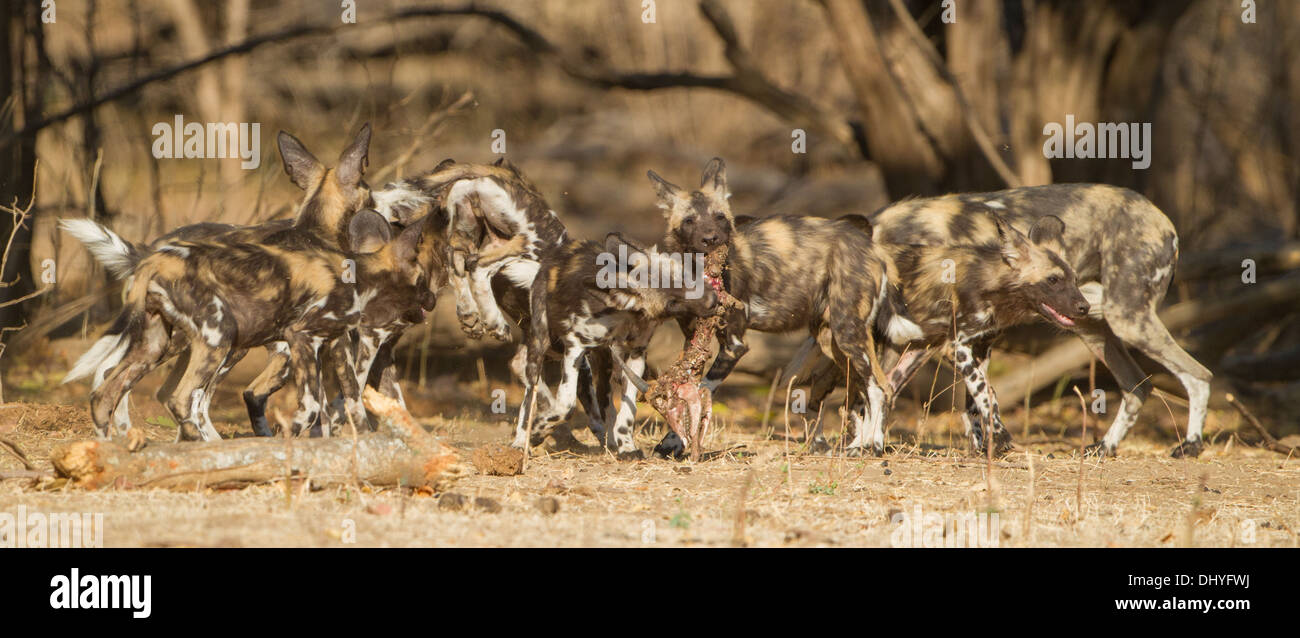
587 300
791 273
217 294
1124 252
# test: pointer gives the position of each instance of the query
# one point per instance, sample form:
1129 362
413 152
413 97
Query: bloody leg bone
677 394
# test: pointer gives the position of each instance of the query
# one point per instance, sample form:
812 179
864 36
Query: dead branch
17 452
431 123
401 453
747 80
968 114
1269 441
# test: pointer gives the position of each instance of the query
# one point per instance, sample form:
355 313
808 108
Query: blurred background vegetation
894 101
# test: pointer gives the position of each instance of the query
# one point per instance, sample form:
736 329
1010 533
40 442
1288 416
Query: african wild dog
498 223
791 273
499 229
965 295
381 325
120 258
586 299
1118 243
218 295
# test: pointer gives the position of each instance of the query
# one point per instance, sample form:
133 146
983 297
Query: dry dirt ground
755 490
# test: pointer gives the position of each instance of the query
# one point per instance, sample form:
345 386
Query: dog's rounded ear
1048 228
353 160
1012 242
368 232
667 191
859 221
444 165
302 167
714 178
406 247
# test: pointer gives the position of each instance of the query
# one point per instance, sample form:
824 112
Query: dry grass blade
12 448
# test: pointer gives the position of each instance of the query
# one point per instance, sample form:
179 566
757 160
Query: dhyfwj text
215 140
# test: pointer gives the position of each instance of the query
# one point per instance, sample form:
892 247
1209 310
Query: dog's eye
688 221
1053 279
722 217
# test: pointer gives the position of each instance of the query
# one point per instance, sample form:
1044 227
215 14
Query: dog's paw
501 332
1001 445
671 447
1187 449
630 455
819 446
1099 450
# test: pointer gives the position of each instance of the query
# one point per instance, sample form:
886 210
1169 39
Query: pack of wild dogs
329 292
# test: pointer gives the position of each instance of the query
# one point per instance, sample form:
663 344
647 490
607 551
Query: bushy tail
104 354
109 350
118 256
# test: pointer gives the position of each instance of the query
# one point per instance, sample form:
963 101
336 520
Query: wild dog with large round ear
697 220
783 270
602 296
497 230
330 195
1120 250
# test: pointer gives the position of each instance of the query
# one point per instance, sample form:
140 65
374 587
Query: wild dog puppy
224 295
499 228
333 195
1124 251
498 222
963 295
610 297
966 295
791 273
321 217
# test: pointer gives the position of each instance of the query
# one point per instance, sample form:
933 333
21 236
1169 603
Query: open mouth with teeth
1059 318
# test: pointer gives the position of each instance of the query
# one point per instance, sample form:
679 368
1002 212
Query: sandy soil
756 489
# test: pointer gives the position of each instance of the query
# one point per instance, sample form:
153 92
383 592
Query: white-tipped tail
112 252
398 201
99 359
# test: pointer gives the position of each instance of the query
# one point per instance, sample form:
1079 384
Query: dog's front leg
489 312
467 310
304 358
618 429
868 421
354 413
970 358
566 398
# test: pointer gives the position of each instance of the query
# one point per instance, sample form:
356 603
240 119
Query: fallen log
1071 354
400 453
